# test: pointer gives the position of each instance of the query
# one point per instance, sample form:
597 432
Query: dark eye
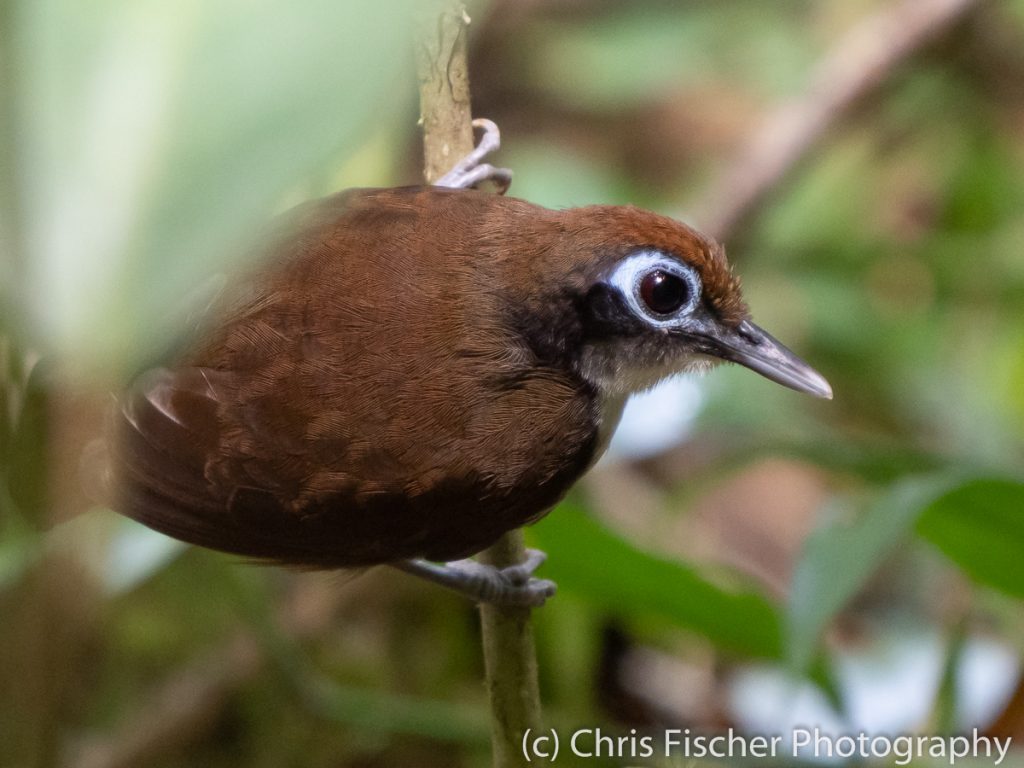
663 292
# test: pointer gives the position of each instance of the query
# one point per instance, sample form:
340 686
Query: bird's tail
151 466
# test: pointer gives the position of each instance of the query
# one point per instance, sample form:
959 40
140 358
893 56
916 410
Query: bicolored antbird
413 372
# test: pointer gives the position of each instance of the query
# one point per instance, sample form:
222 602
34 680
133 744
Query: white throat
617 379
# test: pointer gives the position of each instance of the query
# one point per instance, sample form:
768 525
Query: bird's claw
469 171
520 573
513 585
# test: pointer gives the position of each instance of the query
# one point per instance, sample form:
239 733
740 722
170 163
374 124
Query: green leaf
158 138
602 568
840 557
29 451
980 526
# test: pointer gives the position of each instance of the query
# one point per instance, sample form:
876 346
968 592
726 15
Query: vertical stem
444 88
510 663
509 657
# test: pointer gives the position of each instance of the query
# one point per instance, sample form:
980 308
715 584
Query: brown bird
412 372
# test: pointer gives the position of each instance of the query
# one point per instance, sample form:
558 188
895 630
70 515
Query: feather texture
398 378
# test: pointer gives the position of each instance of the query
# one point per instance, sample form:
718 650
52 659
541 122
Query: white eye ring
632 270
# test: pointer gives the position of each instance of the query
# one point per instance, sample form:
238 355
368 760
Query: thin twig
855 67
509 655
510 662
444 89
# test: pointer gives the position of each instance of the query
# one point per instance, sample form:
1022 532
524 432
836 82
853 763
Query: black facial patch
553 335
606 315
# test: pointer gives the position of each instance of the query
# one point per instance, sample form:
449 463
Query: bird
408 373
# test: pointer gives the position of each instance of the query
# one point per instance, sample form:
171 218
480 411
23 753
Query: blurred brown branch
858 64
183 709
188 707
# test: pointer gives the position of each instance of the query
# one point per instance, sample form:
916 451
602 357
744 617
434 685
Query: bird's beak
758 350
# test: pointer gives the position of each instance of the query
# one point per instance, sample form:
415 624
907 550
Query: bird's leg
469 171
513 585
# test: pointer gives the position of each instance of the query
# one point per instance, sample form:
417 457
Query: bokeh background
744 557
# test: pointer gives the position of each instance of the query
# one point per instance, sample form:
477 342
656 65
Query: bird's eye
663 292
660 289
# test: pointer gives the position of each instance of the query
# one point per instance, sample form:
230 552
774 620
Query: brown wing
363 403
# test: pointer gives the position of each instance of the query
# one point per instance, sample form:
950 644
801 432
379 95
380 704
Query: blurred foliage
842 554
625 581
980 525
143 144
154 135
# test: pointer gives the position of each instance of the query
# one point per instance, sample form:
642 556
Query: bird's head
658 298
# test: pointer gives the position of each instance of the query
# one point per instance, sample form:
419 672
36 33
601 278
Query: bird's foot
514 585
469 171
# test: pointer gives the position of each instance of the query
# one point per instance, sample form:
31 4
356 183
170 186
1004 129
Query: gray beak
758 350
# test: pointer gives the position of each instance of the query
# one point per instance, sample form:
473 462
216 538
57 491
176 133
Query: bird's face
653 310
